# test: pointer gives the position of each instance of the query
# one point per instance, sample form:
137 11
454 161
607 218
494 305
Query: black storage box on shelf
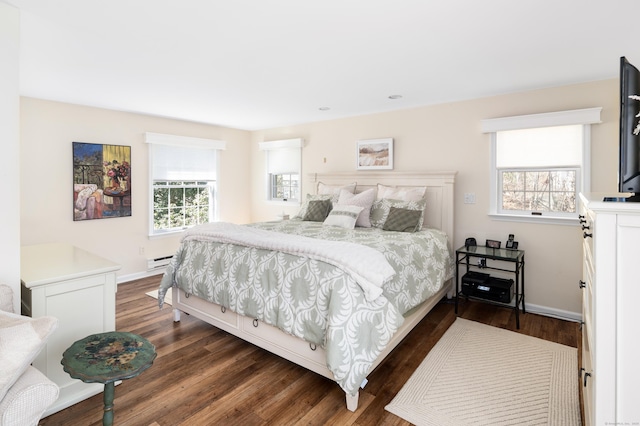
484 286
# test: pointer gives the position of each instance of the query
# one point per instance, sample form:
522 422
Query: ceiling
257 64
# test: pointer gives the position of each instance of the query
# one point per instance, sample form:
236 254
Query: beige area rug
167 297
482 375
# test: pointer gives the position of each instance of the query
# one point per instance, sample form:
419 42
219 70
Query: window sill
283 203
166 234
571 221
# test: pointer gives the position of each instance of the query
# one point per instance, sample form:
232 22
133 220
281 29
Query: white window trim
275 145
187 141
177 140
585 117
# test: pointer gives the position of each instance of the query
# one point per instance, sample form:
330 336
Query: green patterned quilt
314 300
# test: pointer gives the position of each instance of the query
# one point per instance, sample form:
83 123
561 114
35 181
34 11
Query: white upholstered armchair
25 393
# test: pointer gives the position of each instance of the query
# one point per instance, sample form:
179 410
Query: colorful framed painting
101 181
375 154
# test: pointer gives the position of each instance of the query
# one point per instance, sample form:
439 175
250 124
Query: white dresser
610 372
79 289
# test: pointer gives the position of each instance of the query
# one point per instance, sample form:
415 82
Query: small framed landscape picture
375 154
493 244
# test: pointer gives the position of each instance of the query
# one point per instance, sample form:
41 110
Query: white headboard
439 195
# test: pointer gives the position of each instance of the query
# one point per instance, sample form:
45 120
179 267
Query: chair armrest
27 399
6 298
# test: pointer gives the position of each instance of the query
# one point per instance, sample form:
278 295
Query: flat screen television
629 164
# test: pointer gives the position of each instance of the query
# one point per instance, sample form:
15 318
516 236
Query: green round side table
107 358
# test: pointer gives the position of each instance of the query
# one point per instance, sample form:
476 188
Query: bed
335 299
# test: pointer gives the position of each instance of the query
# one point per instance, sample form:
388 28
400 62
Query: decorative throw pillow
402 220
21 339
305 205
380 210
334 190
343 216
404 193
317 211
364 199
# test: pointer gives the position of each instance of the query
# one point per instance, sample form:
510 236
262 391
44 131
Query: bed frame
438 214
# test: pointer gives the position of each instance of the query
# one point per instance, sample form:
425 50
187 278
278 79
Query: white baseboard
554 313
139 275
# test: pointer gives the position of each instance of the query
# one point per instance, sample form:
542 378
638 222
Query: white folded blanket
367 266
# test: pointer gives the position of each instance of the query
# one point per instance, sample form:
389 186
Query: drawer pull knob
255 322
585 227
223 309
581 217
582 284
586 235
313 346
187 295
585 378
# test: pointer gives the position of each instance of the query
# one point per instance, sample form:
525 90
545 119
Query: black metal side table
107 358
516 257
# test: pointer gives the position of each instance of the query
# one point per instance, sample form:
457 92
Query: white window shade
283 161
284 156
559 146
177 163
175 157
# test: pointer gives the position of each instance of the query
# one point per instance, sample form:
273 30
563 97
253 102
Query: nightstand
481 285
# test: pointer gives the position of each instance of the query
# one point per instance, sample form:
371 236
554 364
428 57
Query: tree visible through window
179 204
539 190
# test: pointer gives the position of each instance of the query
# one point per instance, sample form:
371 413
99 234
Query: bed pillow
343 216
21 339
305 205
317 210
334 190
380 210
364 199
404 193
402 220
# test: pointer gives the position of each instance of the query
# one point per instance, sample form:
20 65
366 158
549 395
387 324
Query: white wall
9 135
46 179
448 137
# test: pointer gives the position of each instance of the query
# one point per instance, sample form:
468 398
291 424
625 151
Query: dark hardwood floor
204 376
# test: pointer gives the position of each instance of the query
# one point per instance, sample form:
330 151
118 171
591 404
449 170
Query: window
283 166
180 204
539 164
183 175
285 186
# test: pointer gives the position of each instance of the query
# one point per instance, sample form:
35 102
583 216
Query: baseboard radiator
158 263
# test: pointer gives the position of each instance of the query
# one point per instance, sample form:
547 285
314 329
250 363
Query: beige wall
47 131
441 137
448 137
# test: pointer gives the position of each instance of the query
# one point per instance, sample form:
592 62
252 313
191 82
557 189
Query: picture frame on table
493 244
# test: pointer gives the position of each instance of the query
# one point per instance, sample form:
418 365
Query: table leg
107 417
